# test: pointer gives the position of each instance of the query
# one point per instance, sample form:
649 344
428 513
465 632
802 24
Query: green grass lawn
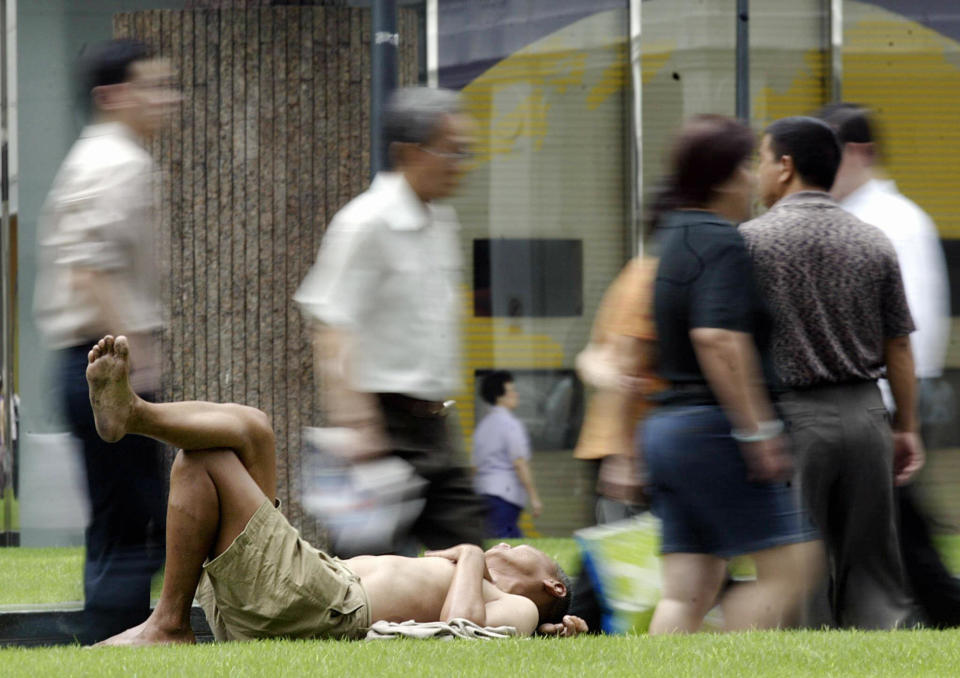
756 655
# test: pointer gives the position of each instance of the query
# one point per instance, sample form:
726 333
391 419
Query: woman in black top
715 450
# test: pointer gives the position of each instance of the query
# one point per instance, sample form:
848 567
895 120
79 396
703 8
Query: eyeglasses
447 155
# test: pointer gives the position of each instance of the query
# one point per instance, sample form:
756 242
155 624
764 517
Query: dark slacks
454 513
502 518
124 540
843 445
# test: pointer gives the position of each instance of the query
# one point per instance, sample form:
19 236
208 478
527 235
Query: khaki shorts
271 583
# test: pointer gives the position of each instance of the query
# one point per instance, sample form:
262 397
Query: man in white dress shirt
98 274
861 190
384 298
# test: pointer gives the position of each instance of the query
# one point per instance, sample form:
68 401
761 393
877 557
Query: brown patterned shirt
833 285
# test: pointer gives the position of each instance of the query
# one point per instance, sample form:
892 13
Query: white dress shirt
498 441
922 265
389 271
99 216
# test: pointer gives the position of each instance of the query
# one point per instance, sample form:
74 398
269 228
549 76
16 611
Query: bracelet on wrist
765 431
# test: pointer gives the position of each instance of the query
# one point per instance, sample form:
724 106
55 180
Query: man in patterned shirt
841 322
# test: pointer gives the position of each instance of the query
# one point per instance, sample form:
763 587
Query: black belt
414 406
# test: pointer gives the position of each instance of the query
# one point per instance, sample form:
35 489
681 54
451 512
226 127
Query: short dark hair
853 123
109 63
494 385
812 144
558 607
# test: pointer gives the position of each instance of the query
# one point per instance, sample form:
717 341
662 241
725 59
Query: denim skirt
700 490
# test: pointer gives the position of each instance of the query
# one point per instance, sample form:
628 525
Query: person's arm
341 405
908 448
334 297
522 467
512 610
901 371
519 450
730 364
114 307
89 245
464 598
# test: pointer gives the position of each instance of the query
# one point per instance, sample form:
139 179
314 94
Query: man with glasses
384 300
98 273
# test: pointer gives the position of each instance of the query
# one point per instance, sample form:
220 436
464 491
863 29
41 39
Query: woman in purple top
501 455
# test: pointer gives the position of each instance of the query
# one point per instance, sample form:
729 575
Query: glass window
545 196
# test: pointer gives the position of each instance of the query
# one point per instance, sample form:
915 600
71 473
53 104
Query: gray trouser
841 438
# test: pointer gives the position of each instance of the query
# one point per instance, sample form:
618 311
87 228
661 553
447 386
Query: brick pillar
271 140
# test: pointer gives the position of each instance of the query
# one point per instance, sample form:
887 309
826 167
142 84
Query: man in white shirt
501 456
98 274
384 298
860 189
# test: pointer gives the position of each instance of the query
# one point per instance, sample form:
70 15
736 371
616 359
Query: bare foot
149 633
112 398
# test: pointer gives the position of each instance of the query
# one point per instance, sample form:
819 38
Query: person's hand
536 507
570 626
457 553
767 460
637 386
908 456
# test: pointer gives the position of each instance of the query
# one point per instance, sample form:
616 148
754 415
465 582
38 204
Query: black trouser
454 513
843 445
937 591
124 540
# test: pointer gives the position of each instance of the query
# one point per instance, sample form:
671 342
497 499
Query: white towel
455 628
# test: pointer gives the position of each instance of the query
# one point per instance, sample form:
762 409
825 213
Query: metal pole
635 167
6 289
433 43
383 79
836 49
743 60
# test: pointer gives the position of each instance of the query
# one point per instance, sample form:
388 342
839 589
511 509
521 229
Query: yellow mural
544 114
911 75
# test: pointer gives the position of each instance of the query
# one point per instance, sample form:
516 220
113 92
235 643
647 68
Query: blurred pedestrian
98 274
501 457
385 301
715 450
618 363
840 319
861 190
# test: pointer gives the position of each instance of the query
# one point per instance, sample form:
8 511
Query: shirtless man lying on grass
257 578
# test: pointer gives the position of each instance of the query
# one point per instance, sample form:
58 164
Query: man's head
797 154
856 130
129 85
526 571
429 138
497 389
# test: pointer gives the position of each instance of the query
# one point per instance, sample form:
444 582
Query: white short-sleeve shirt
389 271
922 266
100 215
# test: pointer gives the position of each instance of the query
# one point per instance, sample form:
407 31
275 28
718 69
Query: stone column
272 139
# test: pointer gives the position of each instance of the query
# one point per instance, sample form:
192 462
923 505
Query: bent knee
258 426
